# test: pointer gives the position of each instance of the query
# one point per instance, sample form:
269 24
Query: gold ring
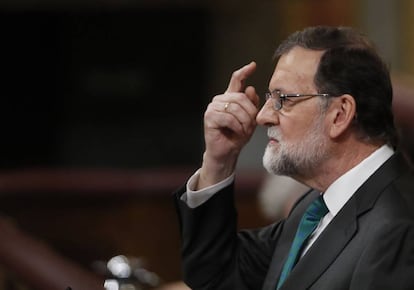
226 106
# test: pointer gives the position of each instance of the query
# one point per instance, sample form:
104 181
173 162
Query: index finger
238 77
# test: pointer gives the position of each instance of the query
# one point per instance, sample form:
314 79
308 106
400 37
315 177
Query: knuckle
216 97
236 74
208 112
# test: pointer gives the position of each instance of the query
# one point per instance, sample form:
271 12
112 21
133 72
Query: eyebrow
276 89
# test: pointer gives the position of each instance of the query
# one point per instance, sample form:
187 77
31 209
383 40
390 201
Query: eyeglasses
278 98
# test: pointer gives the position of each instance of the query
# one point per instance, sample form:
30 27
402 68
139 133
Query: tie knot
317 209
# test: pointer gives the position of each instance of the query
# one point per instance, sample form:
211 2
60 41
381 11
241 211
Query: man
330 126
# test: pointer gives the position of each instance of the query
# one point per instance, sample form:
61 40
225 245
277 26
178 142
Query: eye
288 101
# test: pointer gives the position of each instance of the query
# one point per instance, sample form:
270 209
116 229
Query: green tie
310 220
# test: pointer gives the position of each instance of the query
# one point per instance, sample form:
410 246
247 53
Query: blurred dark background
101 113
103 88
101 119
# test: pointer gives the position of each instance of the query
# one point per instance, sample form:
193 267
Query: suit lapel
283 245
337 234
323 252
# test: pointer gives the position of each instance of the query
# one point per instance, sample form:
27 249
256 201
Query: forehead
296 69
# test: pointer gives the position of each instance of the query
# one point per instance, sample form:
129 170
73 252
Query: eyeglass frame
280 98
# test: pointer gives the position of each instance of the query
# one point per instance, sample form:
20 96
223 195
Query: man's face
297 140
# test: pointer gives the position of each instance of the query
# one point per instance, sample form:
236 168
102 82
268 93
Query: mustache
274 133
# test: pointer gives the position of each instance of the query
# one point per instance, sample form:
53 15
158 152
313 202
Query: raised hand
229 123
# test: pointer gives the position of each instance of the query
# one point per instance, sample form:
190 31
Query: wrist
213 171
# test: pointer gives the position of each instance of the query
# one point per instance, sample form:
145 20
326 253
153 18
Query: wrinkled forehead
296 68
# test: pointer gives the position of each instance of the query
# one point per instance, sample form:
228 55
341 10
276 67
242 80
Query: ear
341 113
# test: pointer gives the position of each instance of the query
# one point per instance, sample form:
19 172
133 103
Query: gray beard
296 159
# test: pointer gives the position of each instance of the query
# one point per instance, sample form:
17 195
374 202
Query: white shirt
335 197
342 189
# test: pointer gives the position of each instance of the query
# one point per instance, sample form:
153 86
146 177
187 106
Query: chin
269 158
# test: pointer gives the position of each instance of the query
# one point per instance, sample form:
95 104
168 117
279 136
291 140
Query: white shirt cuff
195 198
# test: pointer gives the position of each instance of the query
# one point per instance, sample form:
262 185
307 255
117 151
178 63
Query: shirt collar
342 189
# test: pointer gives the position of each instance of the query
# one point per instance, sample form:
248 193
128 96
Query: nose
268 116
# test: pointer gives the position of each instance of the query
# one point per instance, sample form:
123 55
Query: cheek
292 132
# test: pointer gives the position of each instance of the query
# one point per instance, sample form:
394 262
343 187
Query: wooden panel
299 14
407 36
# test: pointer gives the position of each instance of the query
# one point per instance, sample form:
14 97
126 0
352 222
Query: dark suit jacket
368 245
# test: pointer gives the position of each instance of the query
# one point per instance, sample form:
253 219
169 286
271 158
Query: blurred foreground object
278 194
126 273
